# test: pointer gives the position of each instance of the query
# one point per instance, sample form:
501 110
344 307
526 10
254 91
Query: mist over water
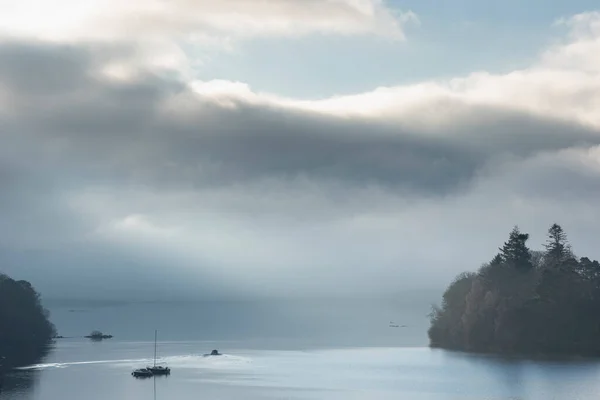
257 323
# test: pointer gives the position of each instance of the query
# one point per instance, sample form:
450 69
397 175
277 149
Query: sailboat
158 369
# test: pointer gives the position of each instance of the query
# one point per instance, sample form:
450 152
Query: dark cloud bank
255 198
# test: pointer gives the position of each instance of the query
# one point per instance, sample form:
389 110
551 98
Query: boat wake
224 361
68 364
180 362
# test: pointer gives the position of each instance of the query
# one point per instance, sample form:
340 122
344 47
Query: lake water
302 350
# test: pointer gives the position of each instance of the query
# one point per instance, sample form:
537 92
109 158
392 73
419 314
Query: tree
515 252
448 328
25 330
537 258
590 270
558 249
497 260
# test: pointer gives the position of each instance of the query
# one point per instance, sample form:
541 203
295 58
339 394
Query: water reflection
19 384
519 379
507 373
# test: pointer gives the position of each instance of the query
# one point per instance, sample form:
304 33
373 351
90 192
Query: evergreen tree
515 252
558 249
497 260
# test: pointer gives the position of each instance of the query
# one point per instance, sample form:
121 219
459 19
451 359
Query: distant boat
158 369
142 373
213 353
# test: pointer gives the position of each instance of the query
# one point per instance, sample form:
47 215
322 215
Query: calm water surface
279 351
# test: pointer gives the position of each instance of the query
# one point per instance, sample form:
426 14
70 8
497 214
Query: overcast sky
193 148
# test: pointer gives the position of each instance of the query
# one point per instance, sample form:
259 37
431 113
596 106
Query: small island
25 330
524 302
97 335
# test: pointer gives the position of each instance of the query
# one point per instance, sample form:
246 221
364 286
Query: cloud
176 37
197 20
203 185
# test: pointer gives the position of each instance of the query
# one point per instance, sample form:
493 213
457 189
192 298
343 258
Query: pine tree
515 252
558 249
497 260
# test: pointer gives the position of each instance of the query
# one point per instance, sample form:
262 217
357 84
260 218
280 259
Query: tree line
25 328
523 302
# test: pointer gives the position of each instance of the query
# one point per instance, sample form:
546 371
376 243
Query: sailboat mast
155 347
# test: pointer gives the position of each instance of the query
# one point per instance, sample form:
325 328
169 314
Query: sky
285 148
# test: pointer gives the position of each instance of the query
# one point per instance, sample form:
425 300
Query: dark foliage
524 302
25 330
97 335
515 252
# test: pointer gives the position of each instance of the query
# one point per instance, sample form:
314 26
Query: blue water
301 350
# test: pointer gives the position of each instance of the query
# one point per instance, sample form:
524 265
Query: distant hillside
524 302
25 329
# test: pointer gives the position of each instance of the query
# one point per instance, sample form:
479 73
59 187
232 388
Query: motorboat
142 373
159 370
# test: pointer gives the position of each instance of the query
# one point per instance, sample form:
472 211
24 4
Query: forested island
97 335
524 302
25 330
